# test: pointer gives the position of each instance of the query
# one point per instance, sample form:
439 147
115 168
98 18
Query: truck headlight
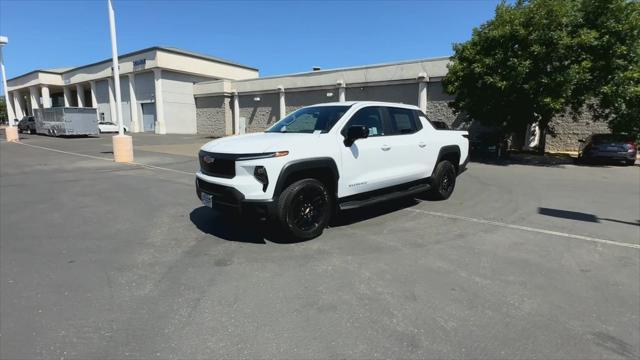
260 173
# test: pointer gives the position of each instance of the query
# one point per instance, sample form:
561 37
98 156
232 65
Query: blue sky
276 37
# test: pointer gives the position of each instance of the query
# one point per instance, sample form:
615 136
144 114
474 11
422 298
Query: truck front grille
213 165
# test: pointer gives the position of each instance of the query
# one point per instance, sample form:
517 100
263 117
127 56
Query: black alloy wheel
444 181
448 181
304 209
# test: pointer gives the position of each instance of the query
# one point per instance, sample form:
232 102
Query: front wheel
304 209
444 181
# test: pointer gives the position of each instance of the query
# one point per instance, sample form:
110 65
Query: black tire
630 162
304 209
444 181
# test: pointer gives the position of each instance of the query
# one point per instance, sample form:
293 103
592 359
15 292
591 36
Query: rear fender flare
449 150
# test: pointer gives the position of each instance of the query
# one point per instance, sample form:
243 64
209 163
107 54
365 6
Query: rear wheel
444 181
630 162
304 209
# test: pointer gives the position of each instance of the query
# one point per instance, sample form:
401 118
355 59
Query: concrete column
80 93
94 100
342 91
161 126
46 98
35 99
236 113
423 81
283 103
112 102
67 96
17 102
133 103
9 101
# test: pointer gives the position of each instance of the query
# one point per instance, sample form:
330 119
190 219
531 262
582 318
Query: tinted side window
371 117
416 115
402 121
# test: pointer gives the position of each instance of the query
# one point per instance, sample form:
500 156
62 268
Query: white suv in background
329 157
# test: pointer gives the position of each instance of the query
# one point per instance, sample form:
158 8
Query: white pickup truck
329 157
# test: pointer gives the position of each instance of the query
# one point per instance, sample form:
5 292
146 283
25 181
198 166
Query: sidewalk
546 159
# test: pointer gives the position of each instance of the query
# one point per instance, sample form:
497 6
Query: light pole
122 144
11 132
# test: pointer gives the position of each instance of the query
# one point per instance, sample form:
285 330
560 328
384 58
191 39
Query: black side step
374 199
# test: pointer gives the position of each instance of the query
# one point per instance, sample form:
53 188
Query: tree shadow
580 216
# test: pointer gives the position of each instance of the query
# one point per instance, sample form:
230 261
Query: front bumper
229 199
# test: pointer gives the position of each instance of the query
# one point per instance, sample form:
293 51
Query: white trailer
67 121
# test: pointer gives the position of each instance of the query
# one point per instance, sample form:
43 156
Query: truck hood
257 143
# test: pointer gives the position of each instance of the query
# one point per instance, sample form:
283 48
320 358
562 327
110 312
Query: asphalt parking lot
102 260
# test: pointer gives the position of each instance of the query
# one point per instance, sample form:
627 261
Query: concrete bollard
122 148
11 132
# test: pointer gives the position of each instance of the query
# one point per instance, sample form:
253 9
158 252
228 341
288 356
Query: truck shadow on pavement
228 227
370 212
233 228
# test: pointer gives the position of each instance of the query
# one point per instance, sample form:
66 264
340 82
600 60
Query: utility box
67 121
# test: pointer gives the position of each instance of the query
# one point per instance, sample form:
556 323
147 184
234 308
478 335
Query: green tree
608 43
541 58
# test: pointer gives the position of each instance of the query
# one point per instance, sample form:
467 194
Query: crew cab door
379 161
408 142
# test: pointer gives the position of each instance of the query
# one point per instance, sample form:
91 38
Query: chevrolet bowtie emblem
208 159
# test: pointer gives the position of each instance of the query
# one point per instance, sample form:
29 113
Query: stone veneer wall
437 105
567 132
213 115
259 115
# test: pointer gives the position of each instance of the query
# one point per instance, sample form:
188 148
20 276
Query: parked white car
109 127
329 157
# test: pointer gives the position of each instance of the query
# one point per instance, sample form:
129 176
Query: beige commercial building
167 90
156 86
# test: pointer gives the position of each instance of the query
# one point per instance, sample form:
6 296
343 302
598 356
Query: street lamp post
11 132
122 144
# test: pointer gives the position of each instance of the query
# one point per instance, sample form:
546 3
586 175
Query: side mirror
354 133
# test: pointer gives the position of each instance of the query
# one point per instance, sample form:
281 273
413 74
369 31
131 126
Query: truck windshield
310 119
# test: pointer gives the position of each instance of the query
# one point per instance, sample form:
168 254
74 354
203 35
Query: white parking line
108 159
64 152
526 228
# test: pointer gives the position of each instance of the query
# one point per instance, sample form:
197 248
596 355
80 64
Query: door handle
385 147
422 144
